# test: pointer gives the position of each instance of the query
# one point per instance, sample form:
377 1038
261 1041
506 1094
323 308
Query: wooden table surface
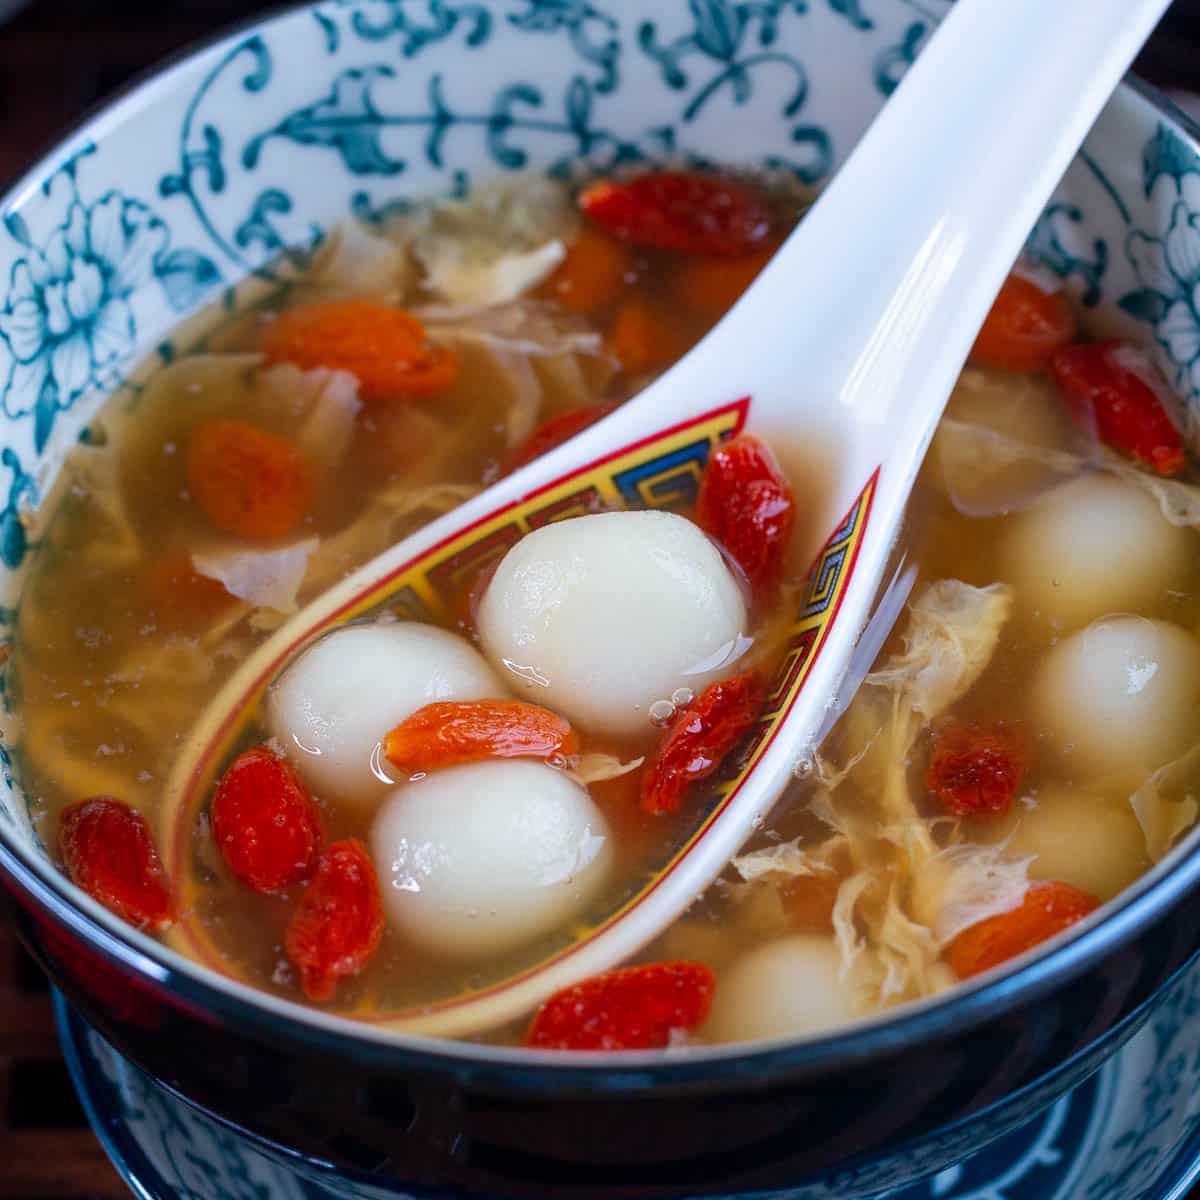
58 60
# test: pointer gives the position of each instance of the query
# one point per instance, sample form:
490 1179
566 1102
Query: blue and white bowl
187 192
1130 1131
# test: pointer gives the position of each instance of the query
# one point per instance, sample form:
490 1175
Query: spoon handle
868 312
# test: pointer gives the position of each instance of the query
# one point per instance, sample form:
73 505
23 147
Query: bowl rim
557 1073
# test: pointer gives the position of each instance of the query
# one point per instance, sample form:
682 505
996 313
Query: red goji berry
448 732
635 1008
385 349
248 482
975 770
702 735
1025 327
554 432
1128 414
682 211
339 923
107 849
1048 908
747 505
265 822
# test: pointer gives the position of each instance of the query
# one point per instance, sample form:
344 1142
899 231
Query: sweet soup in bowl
418 810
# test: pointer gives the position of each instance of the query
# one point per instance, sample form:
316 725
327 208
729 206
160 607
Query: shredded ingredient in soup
419 811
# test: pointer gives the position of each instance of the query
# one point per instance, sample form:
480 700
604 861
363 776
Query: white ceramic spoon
852 337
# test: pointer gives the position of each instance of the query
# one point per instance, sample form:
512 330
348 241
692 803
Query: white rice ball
1091 842
333 706
480 859
789 987
600 616
1095 545
1118 695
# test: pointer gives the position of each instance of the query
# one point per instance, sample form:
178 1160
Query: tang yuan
788 987
604 615
486 856
315 709
1121 694
1046 829
441 791
1060 552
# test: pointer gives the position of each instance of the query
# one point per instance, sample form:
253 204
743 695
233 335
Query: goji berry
1024 328
682 211
1047 909
107 849
710 287
265 823
975 770
385 349
747 505
1126 412
593 274
702 735
554 432
250 483
447 733
635 1008
339 923
643 339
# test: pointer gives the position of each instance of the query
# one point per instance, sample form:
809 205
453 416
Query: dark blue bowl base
165 1149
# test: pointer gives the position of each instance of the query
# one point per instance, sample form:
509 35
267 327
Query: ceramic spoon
852 338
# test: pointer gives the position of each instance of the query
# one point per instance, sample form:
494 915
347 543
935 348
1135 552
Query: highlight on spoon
662 471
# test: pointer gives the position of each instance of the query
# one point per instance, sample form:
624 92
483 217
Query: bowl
1106 1136
186 192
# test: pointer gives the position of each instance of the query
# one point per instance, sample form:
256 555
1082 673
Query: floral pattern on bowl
68 320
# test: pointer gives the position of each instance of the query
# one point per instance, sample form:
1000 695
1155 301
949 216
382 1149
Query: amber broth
105 702
116 655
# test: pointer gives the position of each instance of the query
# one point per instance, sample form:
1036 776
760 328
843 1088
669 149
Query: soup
420 809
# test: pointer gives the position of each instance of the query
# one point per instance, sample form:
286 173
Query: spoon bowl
863 360
660 471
